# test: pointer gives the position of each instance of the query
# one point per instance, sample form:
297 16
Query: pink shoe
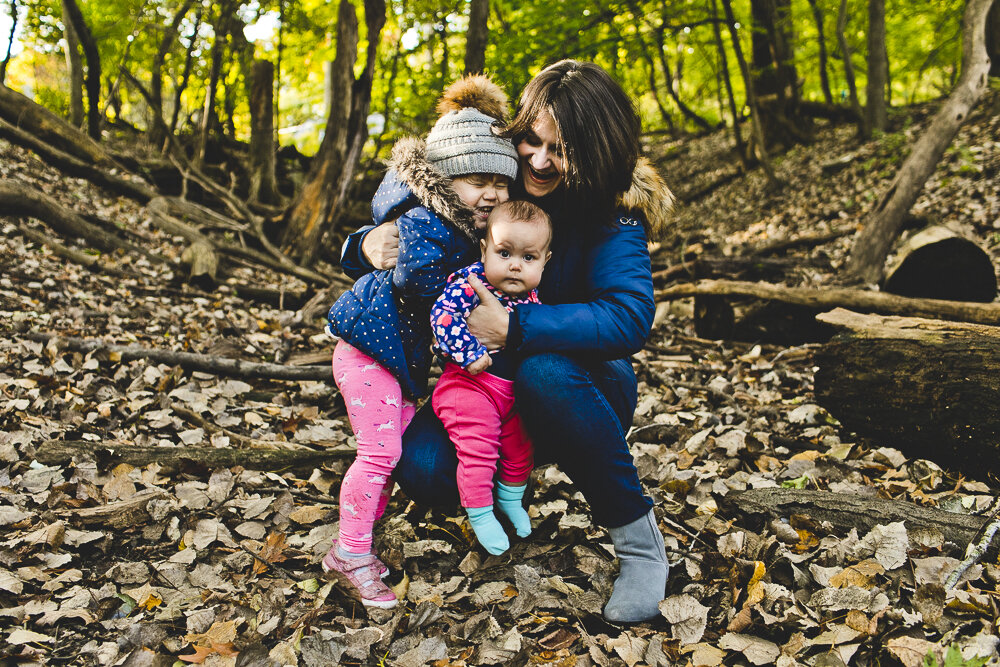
363 575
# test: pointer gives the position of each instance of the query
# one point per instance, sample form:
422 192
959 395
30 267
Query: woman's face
542 161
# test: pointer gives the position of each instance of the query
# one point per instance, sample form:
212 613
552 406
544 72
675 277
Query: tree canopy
667 54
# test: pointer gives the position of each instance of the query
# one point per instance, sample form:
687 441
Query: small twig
188 360
271 566
977 549
198 420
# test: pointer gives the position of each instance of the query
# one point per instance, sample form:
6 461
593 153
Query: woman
577 139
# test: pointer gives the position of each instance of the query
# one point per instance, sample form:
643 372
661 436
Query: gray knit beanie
463 142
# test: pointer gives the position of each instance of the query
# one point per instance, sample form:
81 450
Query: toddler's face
481 192
514 254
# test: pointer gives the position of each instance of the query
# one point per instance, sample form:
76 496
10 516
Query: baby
477 407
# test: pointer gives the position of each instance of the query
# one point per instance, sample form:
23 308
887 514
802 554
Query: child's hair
520 210
463 141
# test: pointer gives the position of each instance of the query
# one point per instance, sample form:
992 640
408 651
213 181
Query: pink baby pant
478 413
379 414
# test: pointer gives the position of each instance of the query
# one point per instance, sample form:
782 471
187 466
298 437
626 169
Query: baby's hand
479 365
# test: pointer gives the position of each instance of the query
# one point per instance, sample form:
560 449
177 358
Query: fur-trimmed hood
650 196
431 188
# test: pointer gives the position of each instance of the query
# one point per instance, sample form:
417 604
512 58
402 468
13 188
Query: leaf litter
177 562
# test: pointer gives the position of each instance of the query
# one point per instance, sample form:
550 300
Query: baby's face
514 254
481 192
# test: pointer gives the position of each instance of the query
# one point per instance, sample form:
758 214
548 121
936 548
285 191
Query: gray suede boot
642 581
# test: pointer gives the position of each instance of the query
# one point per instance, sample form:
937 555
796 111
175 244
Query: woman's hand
479 365
381 246
489 320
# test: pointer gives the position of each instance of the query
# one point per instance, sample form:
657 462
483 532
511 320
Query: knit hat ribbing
463 142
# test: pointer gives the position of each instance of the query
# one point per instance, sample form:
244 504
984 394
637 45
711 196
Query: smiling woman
577 139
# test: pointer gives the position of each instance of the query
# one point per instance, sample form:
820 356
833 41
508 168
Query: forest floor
179 561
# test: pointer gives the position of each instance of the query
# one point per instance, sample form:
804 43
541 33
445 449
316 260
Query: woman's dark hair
597 125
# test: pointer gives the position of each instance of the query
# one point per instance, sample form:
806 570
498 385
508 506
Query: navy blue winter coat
386 314
597 289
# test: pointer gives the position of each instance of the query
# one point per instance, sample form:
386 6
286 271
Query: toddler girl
438 193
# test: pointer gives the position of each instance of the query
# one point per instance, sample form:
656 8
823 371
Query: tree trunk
927 387
321 198
685 110
156 74
883 225
824 79
876 114
93 78
75 66
774 80
728 80
188 65
758 129
444 68
263 185
10 41
477 36
208 115
845 49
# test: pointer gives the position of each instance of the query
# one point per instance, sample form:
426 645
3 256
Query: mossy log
930 388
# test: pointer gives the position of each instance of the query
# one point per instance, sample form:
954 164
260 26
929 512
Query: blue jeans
576 414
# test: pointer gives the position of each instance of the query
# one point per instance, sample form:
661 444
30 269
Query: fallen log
17 199
118 514
22 112
938 263
74 166
189 360
927 387
95 263
109 454
846 511
833 297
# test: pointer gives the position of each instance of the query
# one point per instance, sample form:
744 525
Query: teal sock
509 500
488 530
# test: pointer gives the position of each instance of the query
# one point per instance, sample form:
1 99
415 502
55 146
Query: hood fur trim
432 188
650 196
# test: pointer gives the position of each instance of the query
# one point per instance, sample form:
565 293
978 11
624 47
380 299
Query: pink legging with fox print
379 414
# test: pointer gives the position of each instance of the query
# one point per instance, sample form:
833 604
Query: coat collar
650 196
432 189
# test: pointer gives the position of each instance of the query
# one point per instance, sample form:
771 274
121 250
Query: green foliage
643 43
953 659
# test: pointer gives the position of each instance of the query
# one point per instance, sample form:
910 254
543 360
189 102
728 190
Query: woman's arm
614 312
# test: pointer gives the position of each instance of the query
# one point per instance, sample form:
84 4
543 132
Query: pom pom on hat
477 91
463 140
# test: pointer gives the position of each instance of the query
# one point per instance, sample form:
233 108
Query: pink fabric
379 414
478 413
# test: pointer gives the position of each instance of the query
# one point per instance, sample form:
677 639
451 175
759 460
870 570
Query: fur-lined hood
650 196
432 188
